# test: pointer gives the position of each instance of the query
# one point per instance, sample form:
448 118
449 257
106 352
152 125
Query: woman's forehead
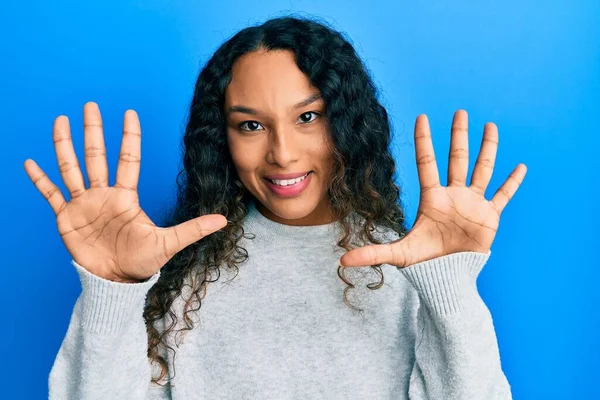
269 81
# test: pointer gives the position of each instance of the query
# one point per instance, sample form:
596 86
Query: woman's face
276 126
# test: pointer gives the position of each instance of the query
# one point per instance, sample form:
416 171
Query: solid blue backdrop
531 67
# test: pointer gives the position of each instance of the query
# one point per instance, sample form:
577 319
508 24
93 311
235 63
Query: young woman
287 271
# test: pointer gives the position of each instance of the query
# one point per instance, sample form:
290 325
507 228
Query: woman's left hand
449 219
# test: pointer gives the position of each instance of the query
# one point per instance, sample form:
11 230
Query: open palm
451 218
103 227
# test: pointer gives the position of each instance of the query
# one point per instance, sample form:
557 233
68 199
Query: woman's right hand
103 227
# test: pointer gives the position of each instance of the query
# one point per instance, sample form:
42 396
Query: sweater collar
263 226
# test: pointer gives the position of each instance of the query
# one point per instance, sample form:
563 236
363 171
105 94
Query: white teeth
286 182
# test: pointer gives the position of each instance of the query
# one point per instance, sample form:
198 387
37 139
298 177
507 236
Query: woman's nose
282 150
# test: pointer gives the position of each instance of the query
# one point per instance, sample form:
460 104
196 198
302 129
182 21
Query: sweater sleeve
456 350
104 352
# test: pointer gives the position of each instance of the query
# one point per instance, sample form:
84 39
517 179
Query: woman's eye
252 126
309 119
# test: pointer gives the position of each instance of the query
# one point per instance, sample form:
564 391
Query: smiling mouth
288 182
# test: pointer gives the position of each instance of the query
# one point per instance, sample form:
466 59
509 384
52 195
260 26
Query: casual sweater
280 329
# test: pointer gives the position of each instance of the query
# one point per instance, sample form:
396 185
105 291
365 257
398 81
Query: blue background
531 67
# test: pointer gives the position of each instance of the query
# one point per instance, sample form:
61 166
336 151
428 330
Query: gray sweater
281 330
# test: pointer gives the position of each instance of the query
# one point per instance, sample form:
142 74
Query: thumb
195 229
390 253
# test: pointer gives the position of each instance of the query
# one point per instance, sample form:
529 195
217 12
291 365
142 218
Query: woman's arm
456 351
104 353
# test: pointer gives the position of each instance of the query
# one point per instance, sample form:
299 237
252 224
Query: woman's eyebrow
251 111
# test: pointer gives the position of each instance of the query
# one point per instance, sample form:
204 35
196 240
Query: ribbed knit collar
263 226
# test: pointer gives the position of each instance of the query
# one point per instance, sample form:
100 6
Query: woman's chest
265 336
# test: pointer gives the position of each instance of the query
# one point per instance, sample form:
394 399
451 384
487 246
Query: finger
426 164
195 229
95 151
128 169
67 160
484 167
458 164
48 189
508 189
390 253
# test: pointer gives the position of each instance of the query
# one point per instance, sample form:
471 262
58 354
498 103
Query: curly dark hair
362 183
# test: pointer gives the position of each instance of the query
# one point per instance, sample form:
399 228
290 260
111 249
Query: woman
287 190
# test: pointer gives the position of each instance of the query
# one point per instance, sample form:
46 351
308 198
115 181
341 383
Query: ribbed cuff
107 306
447 284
